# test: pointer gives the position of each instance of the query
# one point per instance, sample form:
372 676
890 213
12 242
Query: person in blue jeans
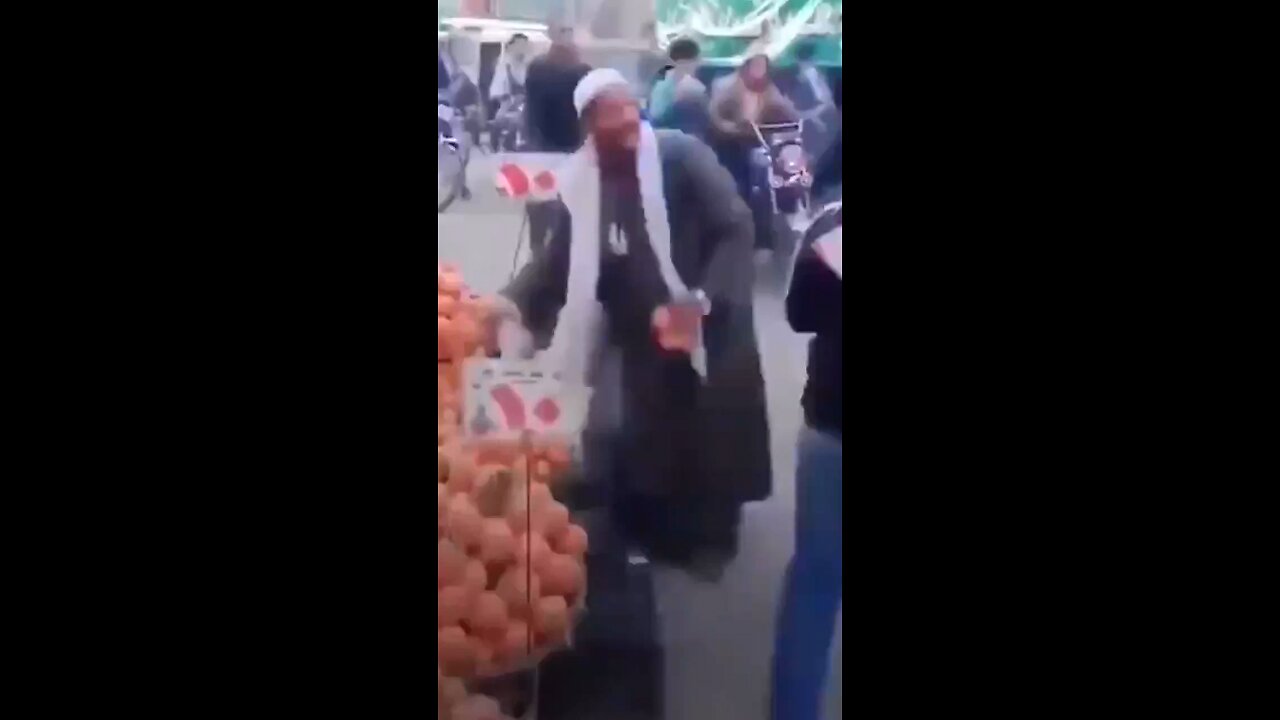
813 592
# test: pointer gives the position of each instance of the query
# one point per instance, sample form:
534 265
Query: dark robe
700 447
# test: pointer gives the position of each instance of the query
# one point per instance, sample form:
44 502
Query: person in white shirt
507 89
509 76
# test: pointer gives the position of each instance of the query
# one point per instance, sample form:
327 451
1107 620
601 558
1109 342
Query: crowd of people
721 116
641 283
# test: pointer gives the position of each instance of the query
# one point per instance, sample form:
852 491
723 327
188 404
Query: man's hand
505 334
514 341
677 325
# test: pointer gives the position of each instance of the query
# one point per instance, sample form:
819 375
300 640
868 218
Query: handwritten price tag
504 399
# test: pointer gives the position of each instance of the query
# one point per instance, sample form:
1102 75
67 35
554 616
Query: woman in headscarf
650 236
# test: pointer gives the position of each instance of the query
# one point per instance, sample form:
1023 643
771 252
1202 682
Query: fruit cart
517 542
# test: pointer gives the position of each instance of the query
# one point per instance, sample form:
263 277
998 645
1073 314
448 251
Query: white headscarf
581 320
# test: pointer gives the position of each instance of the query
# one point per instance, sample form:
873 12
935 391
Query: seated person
749 96
738 101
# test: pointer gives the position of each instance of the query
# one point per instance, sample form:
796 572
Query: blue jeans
813 590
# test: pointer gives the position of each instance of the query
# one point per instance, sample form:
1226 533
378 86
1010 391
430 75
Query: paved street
717 637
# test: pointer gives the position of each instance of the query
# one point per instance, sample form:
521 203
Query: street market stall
516 542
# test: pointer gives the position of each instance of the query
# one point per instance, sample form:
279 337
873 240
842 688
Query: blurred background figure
552 121
652 61
811 93
507 94
739 102
815 102
513 67
550 80
679 99
460 62
812 591
829 165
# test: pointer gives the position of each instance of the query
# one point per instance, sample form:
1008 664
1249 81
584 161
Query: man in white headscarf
649 272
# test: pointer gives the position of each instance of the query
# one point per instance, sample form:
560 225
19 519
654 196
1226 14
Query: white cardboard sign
504 399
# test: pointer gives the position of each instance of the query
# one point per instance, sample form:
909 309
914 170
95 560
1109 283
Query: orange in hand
677 325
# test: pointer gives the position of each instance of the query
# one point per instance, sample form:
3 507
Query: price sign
504 399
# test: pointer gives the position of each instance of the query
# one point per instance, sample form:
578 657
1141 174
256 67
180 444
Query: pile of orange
460 317
510 569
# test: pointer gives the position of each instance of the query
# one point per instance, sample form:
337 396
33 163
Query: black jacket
553 121
815 304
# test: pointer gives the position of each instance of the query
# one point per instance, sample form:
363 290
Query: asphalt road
717 636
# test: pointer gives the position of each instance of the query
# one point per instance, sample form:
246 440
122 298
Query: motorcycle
781 151
780 187
453 151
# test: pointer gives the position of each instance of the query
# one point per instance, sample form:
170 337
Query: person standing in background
513 67
552 120
815 101
461 62
828 173
679 100
549 83
811 93
813 590
652 60
749 96
460 65
507 85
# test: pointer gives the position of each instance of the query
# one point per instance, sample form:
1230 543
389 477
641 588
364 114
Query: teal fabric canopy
729 30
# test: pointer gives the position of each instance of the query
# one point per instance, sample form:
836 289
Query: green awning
728 30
